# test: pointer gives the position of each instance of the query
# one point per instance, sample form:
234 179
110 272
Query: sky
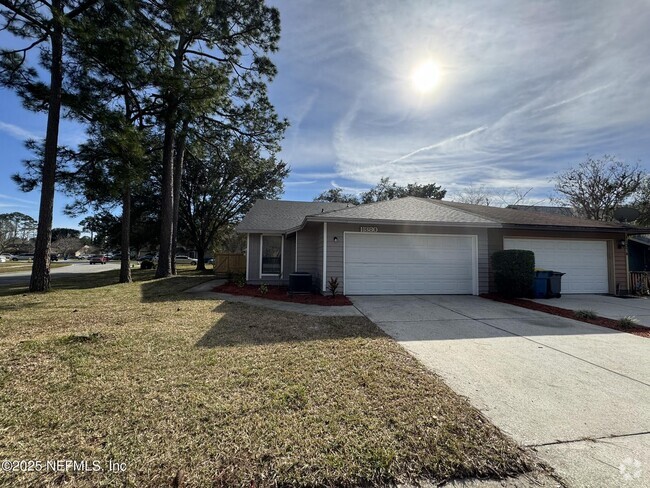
523 90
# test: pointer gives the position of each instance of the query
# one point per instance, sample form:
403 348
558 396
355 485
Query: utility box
300 283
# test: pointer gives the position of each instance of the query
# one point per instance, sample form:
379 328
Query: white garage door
378 264
584 262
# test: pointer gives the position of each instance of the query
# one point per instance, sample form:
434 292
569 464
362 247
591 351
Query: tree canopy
384 190
597 187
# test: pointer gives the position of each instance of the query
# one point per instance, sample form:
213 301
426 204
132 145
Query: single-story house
422 246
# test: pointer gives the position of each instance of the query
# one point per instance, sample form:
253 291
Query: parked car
3 259
208 260
54 257
23 257
6 256
99 259
185 260
148 257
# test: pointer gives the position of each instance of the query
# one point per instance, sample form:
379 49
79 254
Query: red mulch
563 312
281 293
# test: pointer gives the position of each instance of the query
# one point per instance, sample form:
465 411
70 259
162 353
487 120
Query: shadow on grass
242 324
173 289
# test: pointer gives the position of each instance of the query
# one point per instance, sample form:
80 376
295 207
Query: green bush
585 314
514 271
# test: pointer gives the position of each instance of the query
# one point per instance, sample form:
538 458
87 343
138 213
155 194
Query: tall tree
216 70
39 22
387 190
221 183
597 187
336 195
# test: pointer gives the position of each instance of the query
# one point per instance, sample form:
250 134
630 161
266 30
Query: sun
425 76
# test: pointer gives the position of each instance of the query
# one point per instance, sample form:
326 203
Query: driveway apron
577 393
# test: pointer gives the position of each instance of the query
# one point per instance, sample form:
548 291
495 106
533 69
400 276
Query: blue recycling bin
541 284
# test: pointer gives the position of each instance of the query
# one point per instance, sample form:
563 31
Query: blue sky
525 89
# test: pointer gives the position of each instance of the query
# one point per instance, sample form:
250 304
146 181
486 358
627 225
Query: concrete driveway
606 306
577 393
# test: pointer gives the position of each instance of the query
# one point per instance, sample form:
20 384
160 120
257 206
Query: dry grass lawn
220 394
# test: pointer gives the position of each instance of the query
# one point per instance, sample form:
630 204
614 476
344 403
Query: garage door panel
583 261
408 264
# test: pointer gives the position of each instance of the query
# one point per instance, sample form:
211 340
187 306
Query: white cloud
17 132
527 88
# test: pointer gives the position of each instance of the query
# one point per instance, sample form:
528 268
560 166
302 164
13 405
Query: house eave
401 222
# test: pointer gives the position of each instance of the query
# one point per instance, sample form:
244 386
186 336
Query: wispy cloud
17 132
526 90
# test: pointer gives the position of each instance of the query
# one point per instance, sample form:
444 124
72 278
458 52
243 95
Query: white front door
380 264
583 261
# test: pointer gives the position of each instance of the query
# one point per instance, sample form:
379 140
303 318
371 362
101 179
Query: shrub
263 289
585 314
240 280
628 322
332 285
514 270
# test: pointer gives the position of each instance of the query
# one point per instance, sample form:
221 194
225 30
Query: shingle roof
525 217
284 216
567 211
281 215
408 209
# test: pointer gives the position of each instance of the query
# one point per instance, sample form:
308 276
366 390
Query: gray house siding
335 249
310 251
253 263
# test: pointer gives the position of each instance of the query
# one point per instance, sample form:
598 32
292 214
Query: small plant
263 289
628 322
240 280
332 285
585 314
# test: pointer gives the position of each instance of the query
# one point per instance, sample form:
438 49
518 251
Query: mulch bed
569 314
281 293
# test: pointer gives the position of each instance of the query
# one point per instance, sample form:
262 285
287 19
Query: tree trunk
178 175
167 211
200 261
125 264
40 279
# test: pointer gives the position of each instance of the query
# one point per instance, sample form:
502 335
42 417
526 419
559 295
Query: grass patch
628 322
16 266
222 394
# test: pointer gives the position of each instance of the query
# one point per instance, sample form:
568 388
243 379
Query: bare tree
476 195
597 187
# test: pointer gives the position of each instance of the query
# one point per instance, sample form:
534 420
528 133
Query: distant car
54 257
116 257
148 257
3 259
98 259
6 256
23 257
208 260
185 260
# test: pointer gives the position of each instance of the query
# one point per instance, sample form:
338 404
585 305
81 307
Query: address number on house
369 229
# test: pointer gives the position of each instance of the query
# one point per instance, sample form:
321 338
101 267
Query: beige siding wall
618 276
335 249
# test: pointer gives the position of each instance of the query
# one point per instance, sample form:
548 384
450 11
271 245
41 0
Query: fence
640 282
226 265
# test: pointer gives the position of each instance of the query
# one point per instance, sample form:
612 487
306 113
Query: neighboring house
638 249
422 246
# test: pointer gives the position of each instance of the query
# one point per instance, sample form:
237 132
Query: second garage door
584 262
379 264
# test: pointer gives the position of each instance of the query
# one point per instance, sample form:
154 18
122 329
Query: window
271 255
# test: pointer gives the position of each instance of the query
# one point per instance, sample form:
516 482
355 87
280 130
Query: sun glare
425 76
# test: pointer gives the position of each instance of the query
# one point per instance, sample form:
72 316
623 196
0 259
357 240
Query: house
422 246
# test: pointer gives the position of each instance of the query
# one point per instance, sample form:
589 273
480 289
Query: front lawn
15 266
220 394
